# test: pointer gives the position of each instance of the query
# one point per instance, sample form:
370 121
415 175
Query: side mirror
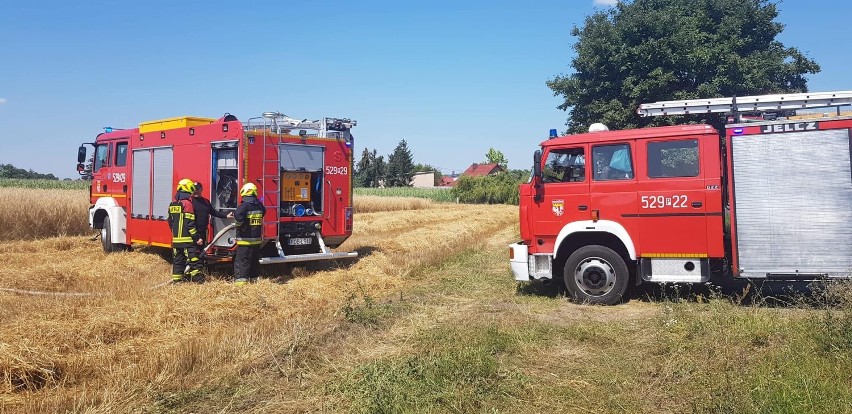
81 153
537 164
80 167
536 179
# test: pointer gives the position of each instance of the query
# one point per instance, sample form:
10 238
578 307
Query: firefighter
185 237
249 218
203 211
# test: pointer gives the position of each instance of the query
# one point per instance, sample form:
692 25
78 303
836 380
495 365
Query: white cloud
2 101
605 2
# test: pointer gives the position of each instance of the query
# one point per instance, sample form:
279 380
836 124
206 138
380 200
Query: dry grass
31 213
132 346
373 204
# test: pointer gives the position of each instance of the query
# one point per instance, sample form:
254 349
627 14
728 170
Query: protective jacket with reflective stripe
249 218
182 221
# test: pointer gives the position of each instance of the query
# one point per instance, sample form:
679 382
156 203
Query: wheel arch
584 233
108 207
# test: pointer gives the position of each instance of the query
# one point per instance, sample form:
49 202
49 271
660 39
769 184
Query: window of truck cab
612 162
564 165
673 159
101 156
120 154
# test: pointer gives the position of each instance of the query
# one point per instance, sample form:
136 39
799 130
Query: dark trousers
182 255
247 263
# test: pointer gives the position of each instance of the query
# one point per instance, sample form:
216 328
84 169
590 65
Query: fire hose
95 294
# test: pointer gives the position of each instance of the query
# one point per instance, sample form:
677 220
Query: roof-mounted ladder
757 103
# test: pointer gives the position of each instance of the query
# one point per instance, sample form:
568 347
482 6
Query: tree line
373 171
10 171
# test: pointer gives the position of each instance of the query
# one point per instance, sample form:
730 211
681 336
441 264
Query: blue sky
453 78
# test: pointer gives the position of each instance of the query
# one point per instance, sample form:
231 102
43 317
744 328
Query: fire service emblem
558 207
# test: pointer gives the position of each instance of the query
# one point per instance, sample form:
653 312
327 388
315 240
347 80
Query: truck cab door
564 197
613 184
673 199
119 170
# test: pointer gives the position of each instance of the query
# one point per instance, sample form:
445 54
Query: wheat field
427 319
129 340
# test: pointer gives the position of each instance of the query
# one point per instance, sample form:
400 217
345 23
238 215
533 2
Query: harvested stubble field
427 320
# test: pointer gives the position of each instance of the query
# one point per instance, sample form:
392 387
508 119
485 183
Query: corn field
44 184
439 194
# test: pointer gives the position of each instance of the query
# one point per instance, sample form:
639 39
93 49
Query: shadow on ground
743 292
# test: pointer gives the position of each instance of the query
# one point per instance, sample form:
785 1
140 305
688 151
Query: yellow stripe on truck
674 255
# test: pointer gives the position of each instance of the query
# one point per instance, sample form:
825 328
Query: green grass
435 194
453 370
45 184
463 337
494 349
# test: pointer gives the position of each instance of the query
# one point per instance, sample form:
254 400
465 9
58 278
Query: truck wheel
596 275
106 238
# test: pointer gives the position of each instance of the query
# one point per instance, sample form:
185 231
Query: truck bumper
519 260
307 257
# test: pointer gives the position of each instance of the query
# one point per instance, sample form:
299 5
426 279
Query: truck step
307 257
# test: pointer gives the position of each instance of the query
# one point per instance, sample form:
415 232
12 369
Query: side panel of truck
792 200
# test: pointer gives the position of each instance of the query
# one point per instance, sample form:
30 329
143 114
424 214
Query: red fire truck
771 200
302 168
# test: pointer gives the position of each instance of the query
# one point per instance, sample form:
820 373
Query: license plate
299 241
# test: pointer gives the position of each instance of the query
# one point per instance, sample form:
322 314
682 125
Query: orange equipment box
295 186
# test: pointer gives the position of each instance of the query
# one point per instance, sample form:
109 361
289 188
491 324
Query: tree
496 157
400 166
370 170
10 171
653 50
380 169
364 169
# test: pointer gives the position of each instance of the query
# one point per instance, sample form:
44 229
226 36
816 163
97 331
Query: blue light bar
107 129
553 133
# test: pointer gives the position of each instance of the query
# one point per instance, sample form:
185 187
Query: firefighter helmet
186 185
249 189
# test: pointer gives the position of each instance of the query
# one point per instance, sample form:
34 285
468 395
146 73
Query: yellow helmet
186 185
249 189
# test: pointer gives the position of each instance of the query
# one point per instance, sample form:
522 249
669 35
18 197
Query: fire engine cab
302 168
771 200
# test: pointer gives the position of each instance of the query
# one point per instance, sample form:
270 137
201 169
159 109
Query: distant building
481 170
447 181
423 179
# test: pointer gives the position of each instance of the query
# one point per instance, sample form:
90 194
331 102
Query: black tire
106 239
596 275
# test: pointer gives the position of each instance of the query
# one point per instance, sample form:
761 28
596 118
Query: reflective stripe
190 216
177 277
194 259
192 231
249 242
181 239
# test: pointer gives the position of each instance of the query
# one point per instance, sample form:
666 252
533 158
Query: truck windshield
101 156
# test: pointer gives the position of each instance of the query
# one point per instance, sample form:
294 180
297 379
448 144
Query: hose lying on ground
95 294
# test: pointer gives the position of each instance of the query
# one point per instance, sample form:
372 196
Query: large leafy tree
400 167
494 156
652 50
